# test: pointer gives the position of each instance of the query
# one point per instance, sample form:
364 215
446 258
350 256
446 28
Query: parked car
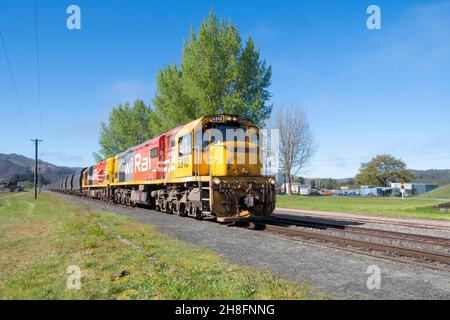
314 192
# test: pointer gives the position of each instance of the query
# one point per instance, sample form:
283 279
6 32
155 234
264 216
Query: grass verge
393 207
439 193
40 239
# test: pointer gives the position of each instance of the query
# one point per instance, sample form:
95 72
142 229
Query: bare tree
296 142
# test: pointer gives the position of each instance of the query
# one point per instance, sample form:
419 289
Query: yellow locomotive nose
234 159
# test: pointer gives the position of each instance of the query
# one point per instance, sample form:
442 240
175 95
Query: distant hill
13 164
440 177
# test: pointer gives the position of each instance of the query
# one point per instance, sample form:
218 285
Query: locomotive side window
154 153
170 142
185 145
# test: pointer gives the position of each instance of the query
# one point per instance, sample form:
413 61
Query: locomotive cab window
170 142
154 153
185 145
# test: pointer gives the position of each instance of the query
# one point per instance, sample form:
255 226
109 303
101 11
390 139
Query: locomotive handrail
198 165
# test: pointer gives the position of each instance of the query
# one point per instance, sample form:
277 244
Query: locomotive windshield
217 133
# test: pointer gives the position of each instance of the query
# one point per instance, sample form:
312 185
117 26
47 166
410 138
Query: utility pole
39 177
36 144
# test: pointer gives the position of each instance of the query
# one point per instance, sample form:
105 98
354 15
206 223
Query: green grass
12 194
40 239
439 193
394 207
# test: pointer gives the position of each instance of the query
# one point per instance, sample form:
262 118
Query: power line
13 80
38 64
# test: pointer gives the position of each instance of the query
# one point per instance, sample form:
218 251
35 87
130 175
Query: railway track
422 258
385 234
375 220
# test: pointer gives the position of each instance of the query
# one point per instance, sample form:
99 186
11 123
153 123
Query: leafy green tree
127 126
329 184
300 180
29 176
382 170
218 74
348 183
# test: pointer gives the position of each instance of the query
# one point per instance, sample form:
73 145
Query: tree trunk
289 186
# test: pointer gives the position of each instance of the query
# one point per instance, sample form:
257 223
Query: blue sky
365 91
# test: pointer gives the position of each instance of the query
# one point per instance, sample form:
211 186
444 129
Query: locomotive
210 168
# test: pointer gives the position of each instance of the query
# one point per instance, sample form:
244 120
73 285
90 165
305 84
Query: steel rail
366 246
376 220
410 237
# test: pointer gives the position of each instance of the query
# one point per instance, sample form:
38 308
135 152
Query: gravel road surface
341 274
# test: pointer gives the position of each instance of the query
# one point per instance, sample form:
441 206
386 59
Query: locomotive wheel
198 214
181 209
178 208
170 208
163 206
187 210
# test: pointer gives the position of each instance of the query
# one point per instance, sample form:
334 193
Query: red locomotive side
99 173
146 162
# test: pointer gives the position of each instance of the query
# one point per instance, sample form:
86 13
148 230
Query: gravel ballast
340 274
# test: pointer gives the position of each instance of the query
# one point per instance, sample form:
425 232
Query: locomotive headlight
217 181
272 181
235 119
